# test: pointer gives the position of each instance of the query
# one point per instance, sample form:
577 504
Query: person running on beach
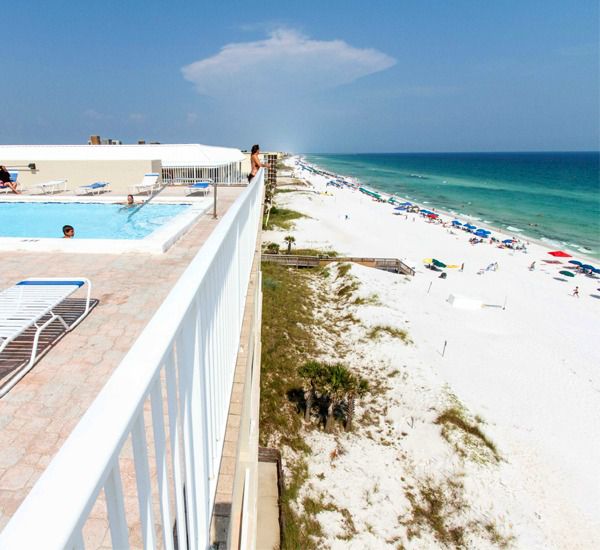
255 162
576 292
68 232
5 180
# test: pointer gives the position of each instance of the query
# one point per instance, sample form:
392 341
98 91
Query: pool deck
39 413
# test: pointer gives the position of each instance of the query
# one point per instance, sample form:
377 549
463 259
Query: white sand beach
528 365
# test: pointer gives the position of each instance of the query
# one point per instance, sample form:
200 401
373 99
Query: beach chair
14 177
149 184
93 188
31 303
52 186
201 187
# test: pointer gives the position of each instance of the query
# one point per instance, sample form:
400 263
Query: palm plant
312 373
337 386
273 248
359 387
289 239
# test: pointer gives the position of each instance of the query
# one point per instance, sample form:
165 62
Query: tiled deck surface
39 413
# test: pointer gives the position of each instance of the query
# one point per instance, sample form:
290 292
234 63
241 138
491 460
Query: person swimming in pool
68 232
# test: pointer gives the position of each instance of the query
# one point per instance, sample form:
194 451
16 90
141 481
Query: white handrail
186 357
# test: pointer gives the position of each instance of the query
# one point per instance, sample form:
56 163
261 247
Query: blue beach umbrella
456 222
469 226
575 262
587 266
400 208
406 204
507 241
596 270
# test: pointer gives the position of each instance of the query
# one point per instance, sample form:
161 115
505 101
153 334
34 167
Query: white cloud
286 62
137 117
191 118
96 115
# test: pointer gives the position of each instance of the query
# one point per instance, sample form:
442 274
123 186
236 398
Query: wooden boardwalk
393 265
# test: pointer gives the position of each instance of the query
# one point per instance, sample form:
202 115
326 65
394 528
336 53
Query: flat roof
188 154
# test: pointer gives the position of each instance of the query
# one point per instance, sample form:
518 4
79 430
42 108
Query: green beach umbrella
437 263
567 273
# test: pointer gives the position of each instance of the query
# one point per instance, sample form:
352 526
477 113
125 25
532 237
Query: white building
123 165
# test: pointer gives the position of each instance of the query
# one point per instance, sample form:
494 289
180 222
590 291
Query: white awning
190 154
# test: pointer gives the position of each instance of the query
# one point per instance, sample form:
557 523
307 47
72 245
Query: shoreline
523 361
519 235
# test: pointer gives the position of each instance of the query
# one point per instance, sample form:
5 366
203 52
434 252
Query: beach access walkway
393 265
39 413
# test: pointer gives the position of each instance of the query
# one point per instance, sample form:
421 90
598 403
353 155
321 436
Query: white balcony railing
167 401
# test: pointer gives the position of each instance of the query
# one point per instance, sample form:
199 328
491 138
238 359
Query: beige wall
120 173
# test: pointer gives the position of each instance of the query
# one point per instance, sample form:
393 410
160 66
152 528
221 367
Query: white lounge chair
149 184
93 188
26 304
53 186
14 177
202 187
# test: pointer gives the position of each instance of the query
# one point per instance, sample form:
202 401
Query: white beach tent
181 163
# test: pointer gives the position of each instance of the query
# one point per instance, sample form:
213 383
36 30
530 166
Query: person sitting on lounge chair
5 180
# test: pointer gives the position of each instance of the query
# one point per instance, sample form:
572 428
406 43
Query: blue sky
335 76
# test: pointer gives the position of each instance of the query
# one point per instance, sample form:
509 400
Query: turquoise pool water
90 220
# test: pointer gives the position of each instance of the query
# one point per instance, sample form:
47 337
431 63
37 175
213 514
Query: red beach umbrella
432 216
559 254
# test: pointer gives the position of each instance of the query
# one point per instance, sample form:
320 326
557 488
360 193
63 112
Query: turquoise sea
554 197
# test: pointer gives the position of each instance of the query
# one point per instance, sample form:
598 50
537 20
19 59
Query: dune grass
287 341
466 436
378 330
282 218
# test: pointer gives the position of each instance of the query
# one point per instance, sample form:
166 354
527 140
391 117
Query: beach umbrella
575 262
456 222
432 216
587 266
567 273
437 263
559 254
507 241
400 208
469 226
596 270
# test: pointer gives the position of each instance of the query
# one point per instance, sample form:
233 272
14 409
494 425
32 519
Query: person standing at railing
256 165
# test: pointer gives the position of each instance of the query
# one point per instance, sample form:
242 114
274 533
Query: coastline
522 234
524 362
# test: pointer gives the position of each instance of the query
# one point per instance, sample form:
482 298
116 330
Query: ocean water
554 197
90 220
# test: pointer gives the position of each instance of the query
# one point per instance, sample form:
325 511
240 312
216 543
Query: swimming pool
101 226
90 220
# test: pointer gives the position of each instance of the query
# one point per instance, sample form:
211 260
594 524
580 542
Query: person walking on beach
532 266
576 292
255 162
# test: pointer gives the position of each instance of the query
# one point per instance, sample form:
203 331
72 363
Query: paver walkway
38 414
